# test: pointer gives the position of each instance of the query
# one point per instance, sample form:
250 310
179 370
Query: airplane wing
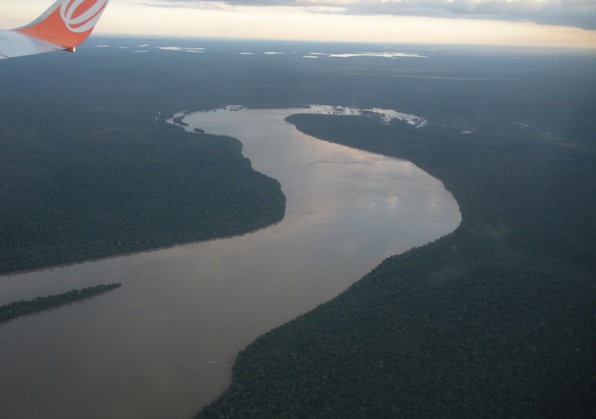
66 24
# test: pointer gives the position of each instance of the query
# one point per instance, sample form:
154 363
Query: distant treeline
24 307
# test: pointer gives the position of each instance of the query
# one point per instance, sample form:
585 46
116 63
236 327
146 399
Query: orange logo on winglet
67 23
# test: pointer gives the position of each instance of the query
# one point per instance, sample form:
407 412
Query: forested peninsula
102 186
24 307
495 320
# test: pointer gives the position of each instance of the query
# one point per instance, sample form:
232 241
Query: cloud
580 13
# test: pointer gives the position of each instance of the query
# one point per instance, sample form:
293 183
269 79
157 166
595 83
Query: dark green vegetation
24 307
99 188
495 320
87 175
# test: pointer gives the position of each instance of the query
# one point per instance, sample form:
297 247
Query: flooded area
163 344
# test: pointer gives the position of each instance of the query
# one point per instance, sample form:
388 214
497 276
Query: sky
554 23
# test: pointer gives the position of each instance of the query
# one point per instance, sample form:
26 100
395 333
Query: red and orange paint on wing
67 22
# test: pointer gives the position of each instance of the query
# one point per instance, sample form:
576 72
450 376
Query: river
163 344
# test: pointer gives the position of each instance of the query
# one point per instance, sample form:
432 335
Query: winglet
67 23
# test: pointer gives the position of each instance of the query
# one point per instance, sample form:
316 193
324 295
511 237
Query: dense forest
495 320
87 184
24 307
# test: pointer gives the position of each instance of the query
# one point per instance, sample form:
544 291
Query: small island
25 307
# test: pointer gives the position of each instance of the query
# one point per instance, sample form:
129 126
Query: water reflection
163 344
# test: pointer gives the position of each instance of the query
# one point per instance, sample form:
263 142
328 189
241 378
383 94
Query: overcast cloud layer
580 13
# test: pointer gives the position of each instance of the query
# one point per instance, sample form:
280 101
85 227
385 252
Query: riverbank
127 188
184 312
495 320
